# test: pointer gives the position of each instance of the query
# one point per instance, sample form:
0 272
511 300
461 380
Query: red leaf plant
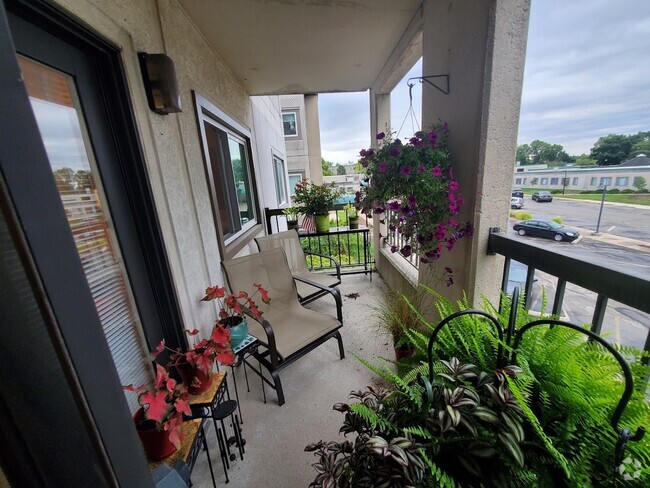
231 304
203 354
163 404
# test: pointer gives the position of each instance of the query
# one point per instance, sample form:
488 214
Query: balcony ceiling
303 46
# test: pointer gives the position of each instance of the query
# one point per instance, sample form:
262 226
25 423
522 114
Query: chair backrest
290 242
268 268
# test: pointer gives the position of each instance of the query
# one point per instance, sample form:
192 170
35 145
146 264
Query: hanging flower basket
411 187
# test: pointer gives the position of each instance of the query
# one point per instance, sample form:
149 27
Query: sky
587 75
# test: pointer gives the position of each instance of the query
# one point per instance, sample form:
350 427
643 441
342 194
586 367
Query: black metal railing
353 248
626 287
396 241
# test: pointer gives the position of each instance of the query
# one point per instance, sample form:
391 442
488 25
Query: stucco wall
481 46
171 143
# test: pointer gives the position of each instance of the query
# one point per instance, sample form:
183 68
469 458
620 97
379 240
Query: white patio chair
290 242
287 330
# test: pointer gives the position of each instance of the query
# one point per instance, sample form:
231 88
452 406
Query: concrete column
313 138
482 47
379 122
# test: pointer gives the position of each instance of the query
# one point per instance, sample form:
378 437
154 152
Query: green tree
534 181
584 160
84 180
523 154
639 183
641 147
340 169
327 167
612 149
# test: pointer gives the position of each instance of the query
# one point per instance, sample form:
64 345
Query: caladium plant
203 354
163 405
231 304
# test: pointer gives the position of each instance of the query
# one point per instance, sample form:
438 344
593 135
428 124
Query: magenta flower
363 153
380 136
433 137
379 210
453 185
395 205
394 151
405 170
416 142
437 171
383 167
421 169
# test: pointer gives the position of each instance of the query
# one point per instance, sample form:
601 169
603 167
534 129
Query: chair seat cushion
305 290
294 328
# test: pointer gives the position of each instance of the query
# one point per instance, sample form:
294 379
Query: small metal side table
243 349
215 403
192 438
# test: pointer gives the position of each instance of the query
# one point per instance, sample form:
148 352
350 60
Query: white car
516 202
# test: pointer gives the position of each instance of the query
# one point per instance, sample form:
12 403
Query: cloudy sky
587 75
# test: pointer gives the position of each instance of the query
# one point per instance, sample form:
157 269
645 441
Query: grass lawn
643 199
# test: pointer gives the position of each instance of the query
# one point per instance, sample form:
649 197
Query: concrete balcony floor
276 436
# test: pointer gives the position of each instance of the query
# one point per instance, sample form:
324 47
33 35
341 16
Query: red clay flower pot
155 442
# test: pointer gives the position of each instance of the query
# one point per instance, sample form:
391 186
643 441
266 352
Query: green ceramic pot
322 223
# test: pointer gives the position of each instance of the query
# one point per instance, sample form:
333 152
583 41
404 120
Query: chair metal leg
222 452
340 341
278 386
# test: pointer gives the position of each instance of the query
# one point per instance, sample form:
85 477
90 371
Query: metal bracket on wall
428 79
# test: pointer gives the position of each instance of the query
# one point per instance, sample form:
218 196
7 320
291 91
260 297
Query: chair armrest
333 291
331 258
270 335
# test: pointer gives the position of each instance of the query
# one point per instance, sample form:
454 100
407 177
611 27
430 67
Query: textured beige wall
481 45
171 143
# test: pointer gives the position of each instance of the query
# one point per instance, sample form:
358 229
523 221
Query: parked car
546 228
542 196
516 202
518 192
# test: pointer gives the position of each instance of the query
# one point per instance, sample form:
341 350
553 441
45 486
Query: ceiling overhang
309 46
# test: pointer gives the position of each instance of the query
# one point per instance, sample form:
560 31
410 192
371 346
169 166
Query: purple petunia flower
363 153
395 205
437 171
453 185
452 223
380 136
379 210
405 170
433 137
394 151
393 248
383 167
416 142
421 169
412 200
406 251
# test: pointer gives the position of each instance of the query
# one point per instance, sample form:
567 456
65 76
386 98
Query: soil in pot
156 443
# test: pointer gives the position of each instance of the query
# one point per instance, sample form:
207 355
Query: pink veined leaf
159 349
175 437
158 406
171 384
192 332
183 407
204 361
132 388
220 335
226 357
161 376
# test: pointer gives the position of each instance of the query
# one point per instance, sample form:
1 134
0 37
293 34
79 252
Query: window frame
544 181
555 180
231 244
605 181
297 122
619 180
280 179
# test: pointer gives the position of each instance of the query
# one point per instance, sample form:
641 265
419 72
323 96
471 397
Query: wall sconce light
160 83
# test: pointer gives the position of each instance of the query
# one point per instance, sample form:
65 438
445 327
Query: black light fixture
160 83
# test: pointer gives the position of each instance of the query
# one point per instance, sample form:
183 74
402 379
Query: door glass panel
60 121
242 180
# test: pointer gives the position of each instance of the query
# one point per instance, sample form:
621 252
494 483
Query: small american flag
309 223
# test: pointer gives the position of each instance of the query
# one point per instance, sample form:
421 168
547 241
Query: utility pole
564 182
600 213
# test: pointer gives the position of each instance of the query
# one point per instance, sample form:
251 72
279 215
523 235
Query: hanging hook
428 79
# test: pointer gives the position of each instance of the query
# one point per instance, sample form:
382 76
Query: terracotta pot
238 327
155 442
194 379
